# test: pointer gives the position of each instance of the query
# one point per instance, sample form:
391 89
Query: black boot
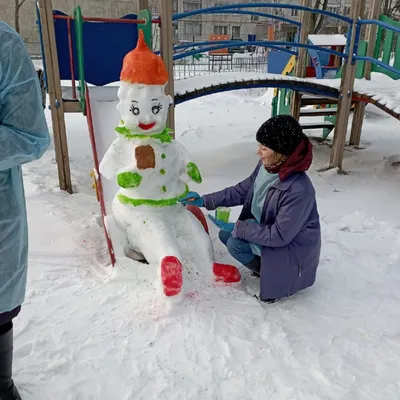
254 266
7 389
268 301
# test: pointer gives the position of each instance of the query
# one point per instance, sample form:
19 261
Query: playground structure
87 51
320 64
327 107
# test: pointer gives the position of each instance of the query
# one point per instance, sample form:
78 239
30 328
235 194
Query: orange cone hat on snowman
141 66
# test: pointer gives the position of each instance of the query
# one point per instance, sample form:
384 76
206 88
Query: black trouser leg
7 389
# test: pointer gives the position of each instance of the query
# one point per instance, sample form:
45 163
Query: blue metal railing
238 6
379 23
238 9
370 59
225 43
229 44
39 24
259 14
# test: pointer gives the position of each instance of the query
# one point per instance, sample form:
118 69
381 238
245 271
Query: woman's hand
192 198
224 226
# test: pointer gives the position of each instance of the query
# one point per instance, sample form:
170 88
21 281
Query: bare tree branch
19 4
320 21
390 8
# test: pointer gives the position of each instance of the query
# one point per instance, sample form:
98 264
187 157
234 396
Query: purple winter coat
289 233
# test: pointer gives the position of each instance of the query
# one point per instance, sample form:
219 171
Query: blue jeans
239 249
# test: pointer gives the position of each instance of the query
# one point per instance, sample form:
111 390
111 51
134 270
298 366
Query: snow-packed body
146 208
148 169
159 232
152 170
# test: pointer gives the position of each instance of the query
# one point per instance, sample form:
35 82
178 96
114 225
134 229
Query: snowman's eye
134 110
156 109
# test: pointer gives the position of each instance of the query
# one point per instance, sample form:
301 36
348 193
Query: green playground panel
384 51
281 102
81 64
146 27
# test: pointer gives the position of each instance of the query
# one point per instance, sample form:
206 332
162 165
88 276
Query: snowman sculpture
152 170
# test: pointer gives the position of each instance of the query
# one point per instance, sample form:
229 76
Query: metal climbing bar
225 42
216 9
372 60
379 23
228 44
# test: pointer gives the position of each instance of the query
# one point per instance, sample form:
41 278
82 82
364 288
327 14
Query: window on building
334 8
255 17
290 36
220 30
236 31
175 6
346 10
175 27
192 28
295 13
191 5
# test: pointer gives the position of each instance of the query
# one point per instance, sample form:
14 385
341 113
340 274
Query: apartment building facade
196 28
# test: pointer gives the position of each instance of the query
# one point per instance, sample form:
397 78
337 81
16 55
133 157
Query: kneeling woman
278 234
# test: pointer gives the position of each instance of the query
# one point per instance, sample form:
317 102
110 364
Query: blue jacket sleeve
24 134
231 196
292 215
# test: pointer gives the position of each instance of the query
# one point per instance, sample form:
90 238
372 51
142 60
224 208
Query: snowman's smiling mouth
146 127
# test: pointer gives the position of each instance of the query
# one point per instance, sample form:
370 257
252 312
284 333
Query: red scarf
299 161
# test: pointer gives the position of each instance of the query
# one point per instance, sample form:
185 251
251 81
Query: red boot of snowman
226 273
171 275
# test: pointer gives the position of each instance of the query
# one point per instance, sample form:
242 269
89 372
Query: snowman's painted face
143 108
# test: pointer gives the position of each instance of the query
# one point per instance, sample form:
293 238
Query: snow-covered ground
87 331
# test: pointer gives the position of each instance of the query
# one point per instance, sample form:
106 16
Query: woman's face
268 156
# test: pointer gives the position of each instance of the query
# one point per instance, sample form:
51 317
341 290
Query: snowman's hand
129 180
194 172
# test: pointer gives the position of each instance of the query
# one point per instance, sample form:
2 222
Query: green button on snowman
152 171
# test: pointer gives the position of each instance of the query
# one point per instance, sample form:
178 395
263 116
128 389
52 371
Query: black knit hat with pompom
281 134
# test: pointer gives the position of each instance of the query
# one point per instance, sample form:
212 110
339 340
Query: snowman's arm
118 162
114 160
189 167
129 179
193 172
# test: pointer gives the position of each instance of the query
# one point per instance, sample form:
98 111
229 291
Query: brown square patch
145 157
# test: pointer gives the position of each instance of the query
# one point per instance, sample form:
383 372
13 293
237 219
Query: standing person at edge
278 234
24 137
